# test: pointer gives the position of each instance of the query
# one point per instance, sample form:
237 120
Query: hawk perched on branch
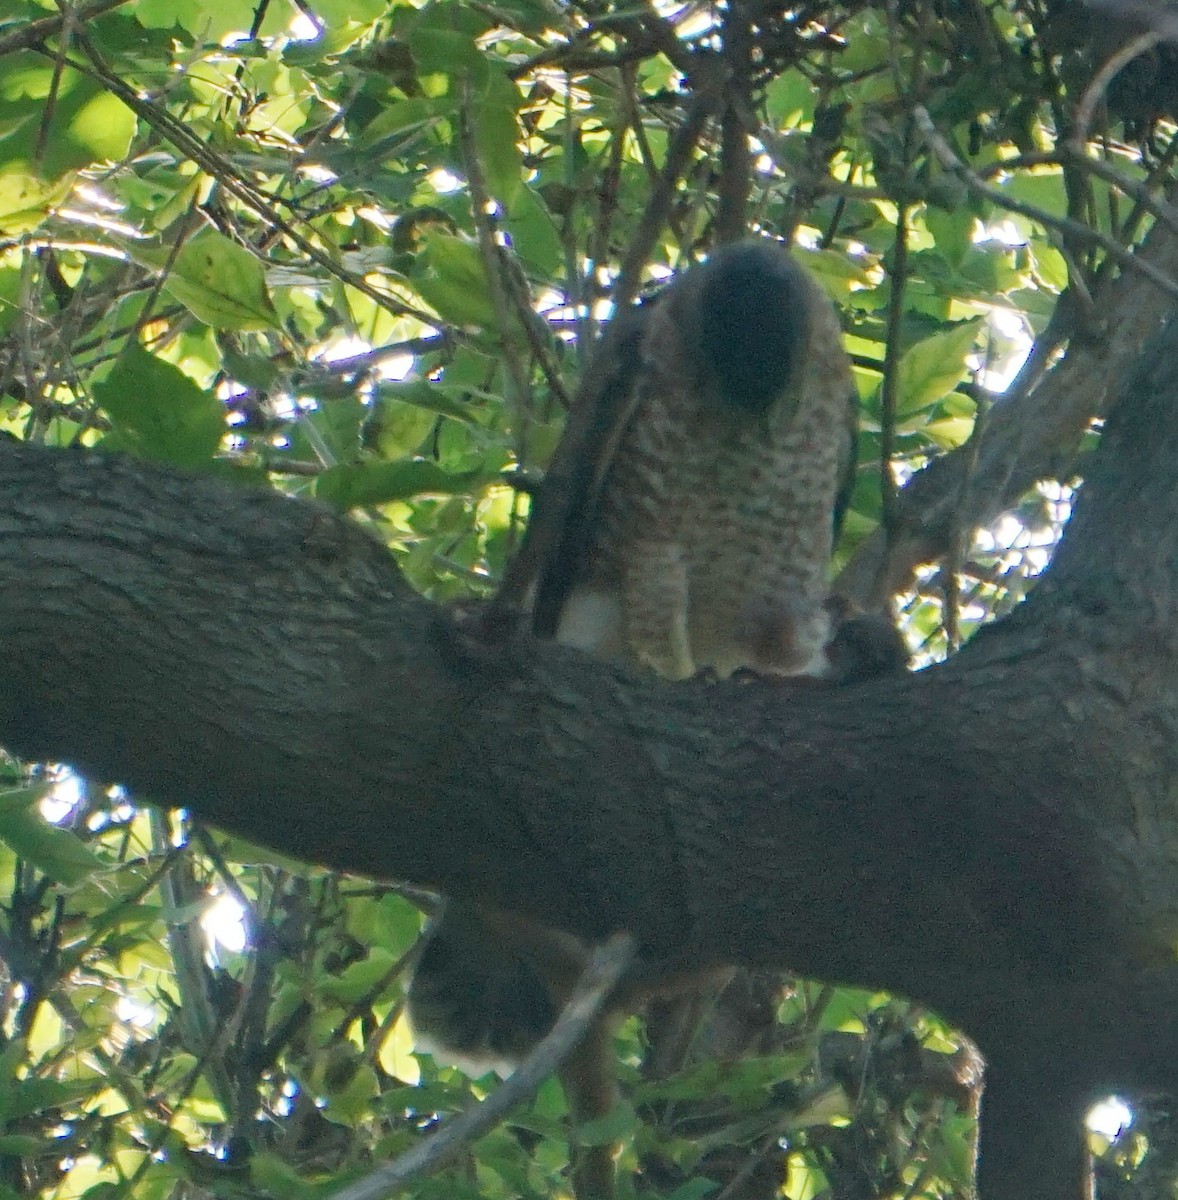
699 518
686 524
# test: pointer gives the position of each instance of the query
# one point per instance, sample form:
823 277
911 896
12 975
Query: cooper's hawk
698 527
686 525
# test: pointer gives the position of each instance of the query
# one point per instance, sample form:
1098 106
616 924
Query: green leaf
1043 188
390 922
836 272
497 134
451 280
57 852
933 367
335 425
447 52
695 1189
615 1125
218 281
391 124
952 232
87 124
254 370
446 400
340 12
788 98
214 19
23 1097
846 1009
377 483
11 1060
534 235
360 978
159 412
25 201
22 799
273 1177
828 1107
953 1147
351 1095
1051 266
949 432
402 428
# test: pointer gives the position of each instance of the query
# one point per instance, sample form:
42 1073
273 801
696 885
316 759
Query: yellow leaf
396 1053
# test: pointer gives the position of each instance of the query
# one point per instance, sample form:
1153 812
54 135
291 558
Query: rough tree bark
997 836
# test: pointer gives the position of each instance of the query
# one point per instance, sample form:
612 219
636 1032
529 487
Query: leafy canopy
359 251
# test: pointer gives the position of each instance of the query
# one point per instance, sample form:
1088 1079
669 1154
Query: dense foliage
360 251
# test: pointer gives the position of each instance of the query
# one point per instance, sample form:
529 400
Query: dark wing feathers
567 511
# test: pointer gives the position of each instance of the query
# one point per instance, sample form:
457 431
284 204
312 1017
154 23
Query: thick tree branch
261 662
995 837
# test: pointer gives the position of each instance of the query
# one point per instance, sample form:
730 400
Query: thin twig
961 523
36 32
593 988
654 216
216 166
1095 90
481 208
146 313
68 17
508 283
1028 430
735 178
891 370
1074 151
949 160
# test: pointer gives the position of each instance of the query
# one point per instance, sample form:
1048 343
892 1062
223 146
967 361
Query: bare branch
605 968
1094 92
34 33
1031 433
949 160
